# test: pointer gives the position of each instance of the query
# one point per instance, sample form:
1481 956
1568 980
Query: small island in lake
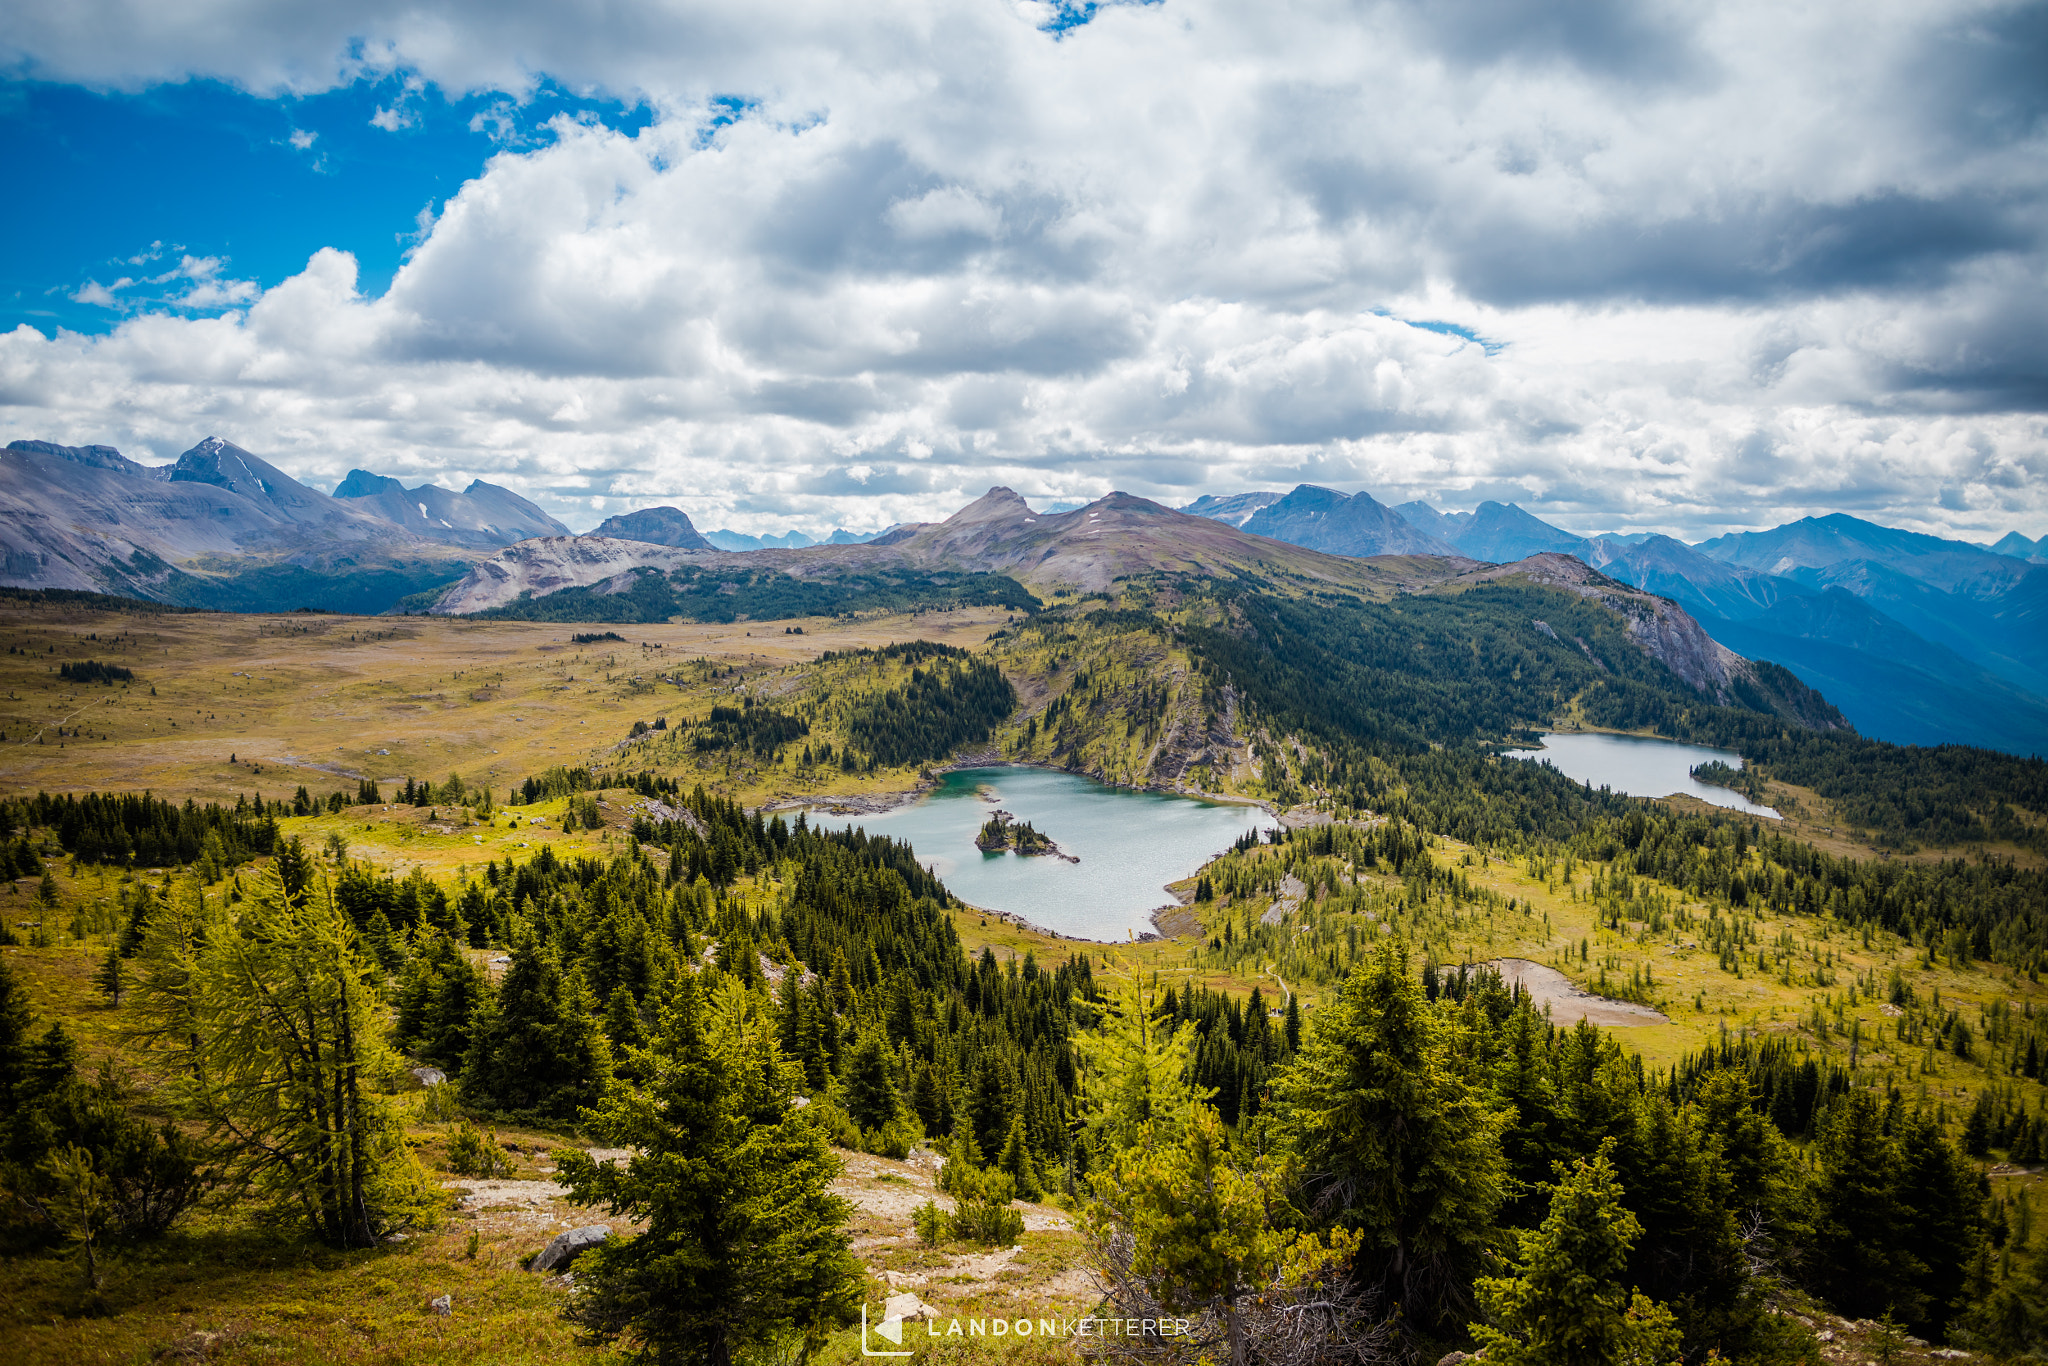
1004 831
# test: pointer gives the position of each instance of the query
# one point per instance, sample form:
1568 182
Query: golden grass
323 700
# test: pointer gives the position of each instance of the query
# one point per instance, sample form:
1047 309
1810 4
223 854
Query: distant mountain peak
1234 509
654 526
1350 524
363 484
481 515
998 504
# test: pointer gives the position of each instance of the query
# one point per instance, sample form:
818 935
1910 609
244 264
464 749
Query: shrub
472 1153
930 1222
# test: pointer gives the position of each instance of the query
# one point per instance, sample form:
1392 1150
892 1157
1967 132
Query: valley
594 832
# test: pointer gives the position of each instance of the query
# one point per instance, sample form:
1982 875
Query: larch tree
271 1025
1139 1070
1183 1226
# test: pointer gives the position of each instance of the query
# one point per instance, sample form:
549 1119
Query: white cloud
302 138
392 119
1742 263
99 295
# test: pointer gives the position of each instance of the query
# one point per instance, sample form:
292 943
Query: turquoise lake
1131 844
1640 767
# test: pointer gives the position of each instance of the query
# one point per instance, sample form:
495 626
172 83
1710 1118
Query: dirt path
1568 1003
67 720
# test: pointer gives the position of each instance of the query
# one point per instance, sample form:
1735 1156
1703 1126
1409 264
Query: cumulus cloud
1731 263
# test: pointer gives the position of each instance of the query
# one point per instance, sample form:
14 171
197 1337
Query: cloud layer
1729 264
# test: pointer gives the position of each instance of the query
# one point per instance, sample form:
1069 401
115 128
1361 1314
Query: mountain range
789 540
1918 639
481 515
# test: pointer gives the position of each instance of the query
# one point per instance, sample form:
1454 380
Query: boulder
567 1247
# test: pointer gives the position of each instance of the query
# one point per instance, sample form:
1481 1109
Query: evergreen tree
1523 1085
112 977
1864 1263
1568 1305
1015 1159
535 1049
1943 1195
870 1084
438 1002
15 1022
1392 1141
294 866
743 1239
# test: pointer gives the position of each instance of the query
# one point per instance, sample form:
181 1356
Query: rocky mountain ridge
481 515
1920 640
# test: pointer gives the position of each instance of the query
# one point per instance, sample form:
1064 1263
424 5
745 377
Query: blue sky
201 169
1690 268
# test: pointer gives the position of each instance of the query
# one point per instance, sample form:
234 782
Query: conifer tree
1140 1070
1865 1262
14 1028
1015 1159
535 1047
112 977
1390 1140
438 1000
743 1241
1523 1084
870 1088
272 1033
1181 1225
1569 1306
1943 1194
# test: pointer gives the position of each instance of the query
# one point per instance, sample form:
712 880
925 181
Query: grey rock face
567 1247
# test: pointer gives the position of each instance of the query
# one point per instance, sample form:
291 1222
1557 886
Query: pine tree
1943 1194
294 866
438 1000
15 1022
1864 1259
1522 1083
112 977
744 1241
1568 1306
1392 1141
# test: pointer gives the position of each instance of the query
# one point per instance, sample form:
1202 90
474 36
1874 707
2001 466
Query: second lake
1641 767
1130 843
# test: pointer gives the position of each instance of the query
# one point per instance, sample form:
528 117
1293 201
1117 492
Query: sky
1634 265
